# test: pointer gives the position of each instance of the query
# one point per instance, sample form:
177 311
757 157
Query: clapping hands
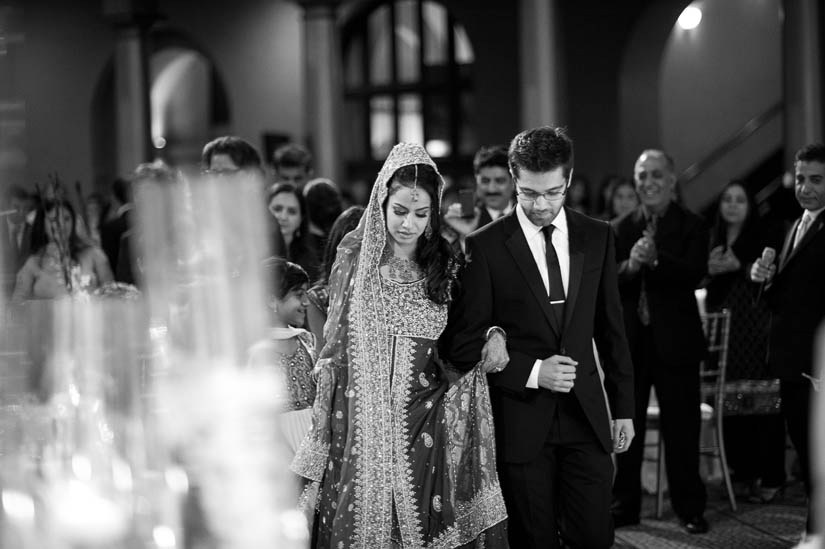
644 251
722 260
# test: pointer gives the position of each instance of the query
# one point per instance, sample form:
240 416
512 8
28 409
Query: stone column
322 86
131 20
802 57
542 98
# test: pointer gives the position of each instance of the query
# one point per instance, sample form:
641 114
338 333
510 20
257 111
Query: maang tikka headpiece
415 185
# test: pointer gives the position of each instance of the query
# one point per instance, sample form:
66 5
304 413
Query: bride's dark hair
433 254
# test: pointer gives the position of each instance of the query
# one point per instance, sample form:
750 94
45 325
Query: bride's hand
494 356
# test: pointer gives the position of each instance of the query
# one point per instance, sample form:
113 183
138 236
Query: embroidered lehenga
402 446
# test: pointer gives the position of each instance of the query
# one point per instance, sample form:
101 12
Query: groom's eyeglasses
529 195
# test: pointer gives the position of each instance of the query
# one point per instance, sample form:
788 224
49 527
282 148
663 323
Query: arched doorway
188 105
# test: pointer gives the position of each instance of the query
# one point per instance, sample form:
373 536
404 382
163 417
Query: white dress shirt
811 215
536 242
495 214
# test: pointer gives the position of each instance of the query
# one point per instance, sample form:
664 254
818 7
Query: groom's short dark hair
540 150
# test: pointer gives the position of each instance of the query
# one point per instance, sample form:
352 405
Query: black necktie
557 297
643 307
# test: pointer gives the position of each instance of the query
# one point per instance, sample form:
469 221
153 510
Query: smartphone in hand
467 199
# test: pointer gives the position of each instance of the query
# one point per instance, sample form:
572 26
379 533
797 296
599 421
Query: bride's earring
428 232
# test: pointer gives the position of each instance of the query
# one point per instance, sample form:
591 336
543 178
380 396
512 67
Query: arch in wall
183 116
690 91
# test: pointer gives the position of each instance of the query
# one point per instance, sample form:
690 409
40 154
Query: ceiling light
690 18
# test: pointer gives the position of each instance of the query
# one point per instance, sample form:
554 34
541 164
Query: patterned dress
295 370
401 447
414 462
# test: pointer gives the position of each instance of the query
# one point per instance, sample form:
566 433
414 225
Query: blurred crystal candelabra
128 420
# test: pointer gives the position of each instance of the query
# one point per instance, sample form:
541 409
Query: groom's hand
557 373
622 435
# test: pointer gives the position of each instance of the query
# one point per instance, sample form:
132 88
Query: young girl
289 349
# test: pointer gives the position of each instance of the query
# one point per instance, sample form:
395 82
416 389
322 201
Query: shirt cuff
533 380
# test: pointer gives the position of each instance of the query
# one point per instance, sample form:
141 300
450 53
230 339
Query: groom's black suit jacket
501 286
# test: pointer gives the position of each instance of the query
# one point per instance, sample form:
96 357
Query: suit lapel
517 245
809 235
786 247
576 243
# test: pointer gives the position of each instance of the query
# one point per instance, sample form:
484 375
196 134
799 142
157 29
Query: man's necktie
557 297
801 229
643 308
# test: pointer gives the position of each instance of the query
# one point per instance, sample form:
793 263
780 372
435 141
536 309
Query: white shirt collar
530 230
813 214
495 214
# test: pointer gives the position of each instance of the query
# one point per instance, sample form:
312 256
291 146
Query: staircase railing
751 126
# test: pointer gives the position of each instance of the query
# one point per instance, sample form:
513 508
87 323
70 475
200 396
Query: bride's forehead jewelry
415 185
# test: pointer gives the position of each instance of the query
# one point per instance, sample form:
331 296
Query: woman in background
61 262
578 194
621 199
286 204
318 295
754 432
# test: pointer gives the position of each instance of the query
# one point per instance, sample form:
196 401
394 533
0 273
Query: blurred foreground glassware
218 421
76 407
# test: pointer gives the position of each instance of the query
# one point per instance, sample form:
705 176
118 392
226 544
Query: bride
401 445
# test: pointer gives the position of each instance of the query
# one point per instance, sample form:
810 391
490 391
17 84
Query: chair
711 384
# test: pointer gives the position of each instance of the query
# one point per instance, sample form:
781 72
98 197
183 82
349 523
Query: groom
546 275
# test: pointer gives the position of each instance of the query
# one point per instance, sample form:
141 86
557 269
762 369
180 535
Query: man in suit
494 196
662 252
795 293
547 277
15 235
494 185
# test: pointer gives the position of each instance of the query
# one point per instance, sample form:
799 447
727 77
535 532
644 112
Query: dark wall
493 30
595 35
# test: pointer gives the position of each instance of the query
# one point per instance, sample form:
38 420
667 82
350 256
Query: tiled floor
778 525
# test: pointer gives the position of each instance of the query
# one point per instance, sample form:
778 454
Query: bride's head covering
355 271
